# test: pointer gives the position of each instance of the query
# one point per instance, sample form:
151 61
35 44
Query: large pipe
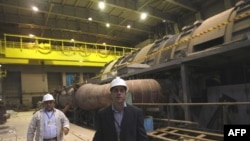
93 96
65 97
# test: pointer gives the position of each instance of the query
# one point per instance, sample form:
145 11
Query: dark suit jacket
132 125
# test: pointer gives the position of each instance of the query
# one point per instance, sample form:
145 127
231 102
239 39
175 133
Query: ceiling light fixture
143 16
34 8
107 25
90 19
101 5
31 35
128 26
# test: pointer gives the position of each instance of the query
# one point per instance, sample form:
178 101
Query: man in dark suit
120 121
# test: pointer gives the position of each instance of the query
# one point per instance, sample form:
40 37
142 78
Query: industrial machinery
3 113
84 100
199 77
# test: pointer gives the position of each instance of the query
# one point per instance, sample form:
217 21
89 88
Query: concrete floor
20 121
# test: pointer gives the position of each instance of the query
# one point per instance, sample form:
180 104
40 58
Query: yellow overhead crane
28 50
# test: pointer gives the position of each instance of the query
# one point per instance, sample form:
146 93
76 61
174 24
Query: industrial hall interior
186 64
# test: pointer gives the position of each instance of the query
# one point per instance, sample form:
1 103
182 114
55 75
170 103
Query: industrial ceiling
69 19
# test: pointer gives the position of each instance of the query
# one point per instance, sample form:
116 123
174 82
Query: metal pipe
93 96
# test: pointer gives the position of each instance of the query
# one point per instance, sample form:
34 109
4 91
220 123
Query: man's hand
65 130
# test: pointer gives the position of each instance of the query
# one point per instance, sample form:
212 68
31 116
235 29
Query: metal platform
182 134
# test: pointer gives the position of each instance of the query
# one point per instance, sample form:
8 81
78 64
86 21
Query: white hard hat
118 82
48 97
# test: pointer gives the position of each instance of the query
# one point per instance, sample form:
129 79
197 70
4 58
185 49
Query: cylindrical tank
65 97
93 96
145 91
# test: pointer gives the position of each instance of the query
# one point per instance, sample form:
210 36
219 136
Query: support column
186 89
1 89
81 77
63 78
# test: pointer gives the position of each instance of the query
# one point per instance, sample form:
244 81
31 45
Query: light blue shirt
49 125
118 115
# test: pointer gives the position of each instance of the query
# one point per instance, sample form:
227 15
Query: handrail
50 44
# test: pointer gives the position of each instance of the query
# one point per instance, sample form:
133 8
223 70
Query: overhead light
101 5
90 19
31 35
107 25
34 8
128 26
72 40
143 16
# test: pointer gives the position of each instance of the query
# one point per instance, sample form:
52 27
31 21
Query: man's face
49 105
118 94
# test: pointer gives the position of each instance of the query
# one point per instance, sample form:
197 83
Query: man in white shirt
49 123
